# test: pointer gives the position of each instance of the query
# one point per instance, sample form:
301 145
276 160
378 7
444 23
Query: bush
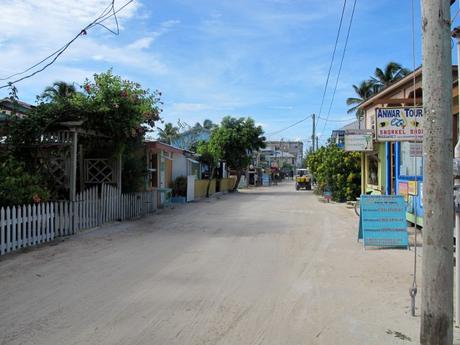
179 187
336 170
17 186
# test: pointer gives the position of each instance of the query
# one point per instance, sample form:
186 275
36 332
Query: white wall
179 166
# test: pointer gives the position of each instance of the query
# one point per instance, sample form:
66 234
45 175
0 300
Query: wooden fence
29 225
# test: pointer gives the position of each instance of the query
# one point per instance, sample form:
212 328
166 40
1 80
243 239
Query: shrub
180 186
336 170
17 186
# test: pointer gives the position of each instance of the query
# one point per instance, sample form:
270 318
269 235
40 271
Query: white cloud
34 29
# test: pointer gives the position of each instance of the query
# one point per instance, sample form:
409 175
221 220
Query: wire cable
107 13
331 120
286 128
341 64
333 57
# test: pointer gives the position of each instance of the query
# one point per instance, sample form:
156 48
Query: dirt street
264 266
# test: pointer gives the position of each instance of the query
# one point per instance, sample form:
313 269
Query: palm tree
168 133
208 124
392 72
363 91
60 90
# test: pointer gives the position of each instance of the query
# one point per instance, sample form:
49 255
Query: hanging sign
399 124
358 140
382 221
403 189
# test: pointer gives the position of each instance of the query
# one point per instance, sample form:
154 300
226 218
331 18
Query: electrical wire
286 128
107 13
331 120
333 57
341 64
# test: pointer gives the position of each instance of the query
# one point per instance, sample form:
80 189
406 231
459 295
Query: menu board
382 221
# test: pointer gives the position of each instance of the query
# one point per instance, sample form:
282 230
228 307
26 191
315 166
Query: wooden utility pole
437 262
313 135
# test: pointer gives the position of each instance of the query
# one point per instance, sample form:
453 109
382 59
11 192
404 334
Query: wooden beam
409 101
73 166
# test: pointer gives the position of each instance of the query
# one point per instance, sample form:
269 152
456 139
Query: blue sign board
382 221
265 180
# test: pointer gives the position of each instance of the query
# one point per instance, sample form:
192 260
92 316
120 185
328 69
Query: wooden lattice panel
99 171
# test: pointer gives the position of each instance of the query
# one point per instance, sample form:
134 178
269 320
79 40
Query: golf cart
302 179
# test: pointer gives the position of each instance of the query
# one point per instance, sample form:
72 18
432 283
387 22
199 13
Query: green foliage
208 154
235 140
118 111
168 133
382 78
18 186
179 187
336 170
107 105
134 173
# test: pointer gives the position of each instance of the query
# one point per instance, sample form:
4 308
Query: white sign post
399 124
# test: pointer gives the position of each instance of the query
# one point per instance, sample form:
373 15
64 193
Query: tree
363 91
336 170
234 141
60 90
208 124
391 73
168 133
209 156
116 110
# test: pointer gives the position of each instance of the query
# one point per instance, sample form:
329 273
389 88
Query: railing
30 225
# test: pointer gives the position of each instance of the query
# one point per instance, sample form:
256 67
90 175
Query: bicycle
357 206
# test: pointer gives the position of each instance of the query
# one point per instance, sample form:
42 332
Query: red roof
157 145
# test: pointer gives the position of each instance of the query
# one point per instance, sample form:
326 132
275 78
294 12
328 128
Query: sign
382 221
415 150
412 188
399 124
403 189
265 180
358 140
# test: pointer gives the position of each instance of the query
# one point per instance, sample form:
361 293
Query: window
410 159
153 170
373 169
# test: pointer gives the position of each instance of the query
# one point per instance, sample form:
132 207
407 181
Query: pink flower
36 198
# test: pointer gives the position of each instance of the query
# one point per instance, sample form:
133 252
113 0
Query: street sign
358 140
399 124
382 221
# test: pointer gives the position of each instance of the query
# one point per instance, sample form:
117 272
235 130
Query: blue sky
267 59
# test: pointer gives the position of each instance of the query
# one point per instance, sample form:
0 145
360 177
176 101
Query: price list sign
383 221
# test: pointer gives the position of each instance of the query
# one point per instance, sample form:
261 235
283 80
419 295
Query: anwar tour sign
399 124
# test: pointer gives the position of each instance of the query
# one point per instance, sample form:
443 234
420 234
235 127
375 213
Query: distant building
188 139
294 148
9 107
338 135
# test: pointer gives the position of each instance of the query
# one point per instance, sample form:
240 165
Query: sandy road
266 266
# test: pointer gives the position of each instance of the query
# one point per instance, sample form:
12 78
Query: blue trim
388 168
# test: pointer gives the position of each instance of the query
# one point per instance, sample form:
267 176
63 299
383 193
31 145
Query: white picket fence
29 225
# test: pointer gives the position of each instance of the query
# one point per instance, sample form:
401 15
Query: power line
344 120
333 57
286 128
341 63
108 12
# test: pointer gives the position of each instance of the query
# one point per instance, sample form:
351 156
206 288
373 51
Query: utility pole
437 262
313 136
